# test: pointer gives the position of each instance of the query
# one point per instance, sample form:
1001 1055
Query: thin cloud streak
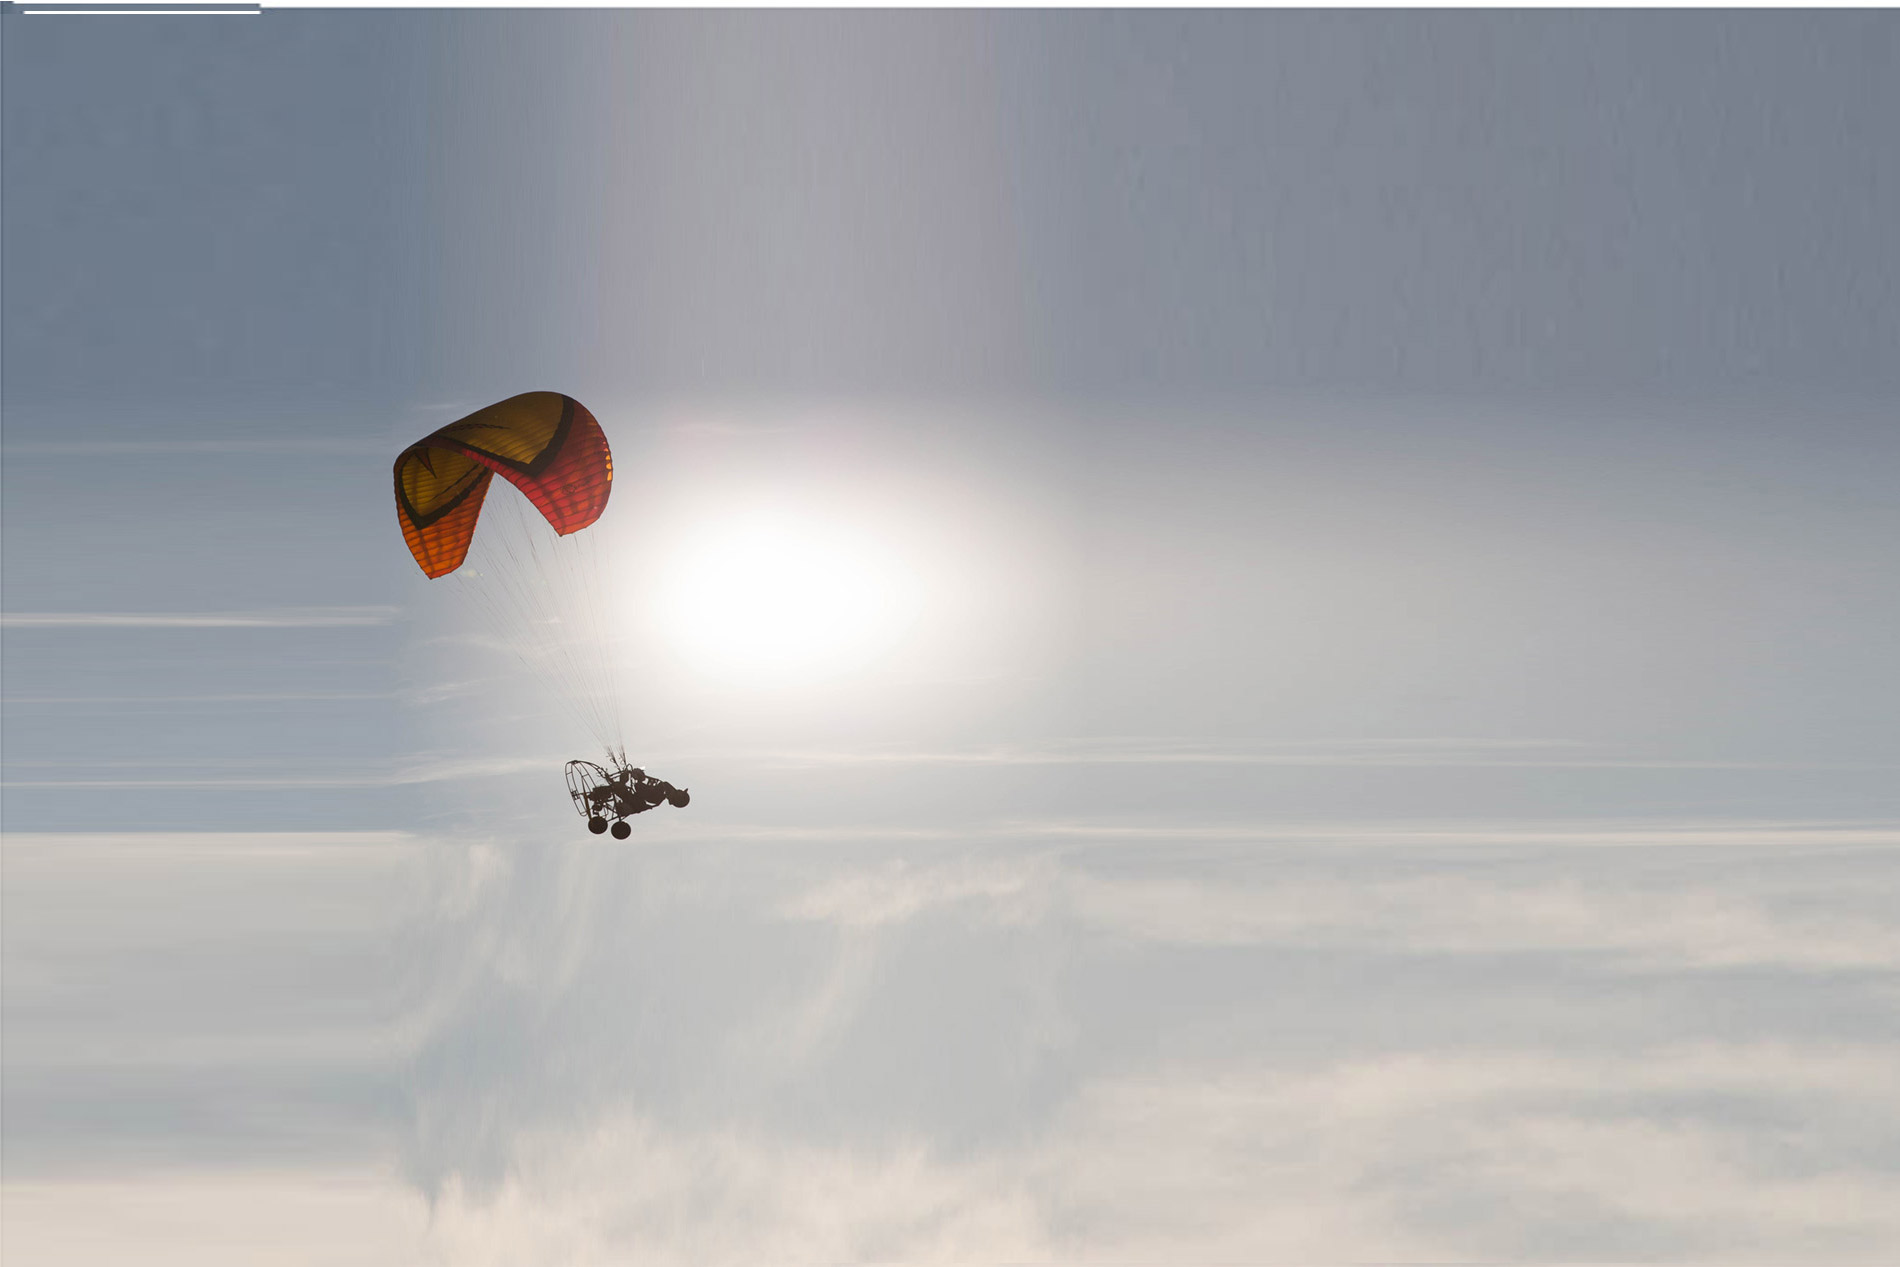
1708 909
1422 754
1605 833
279 618
1602 834
214 843
313 446
433 772
269 697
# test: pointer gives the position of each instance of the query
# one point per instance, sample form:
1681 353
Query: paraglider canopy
545 443
534 577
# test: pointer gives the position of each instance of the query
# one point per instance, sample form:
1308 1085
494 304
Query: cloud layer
1408 1041
1412 1042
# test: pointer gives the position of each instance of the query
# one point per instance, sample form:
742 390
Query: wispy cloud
273 618
339 446
285 774
1477 913
899 891
1489 835
1421 753
1780 834
1693 908
255 697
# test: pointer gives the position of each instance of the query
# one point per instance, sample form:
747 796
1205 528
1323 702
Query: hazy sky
1392 755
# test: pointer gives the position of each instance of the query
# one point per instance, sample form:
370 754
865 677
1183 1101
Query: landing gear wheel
622 831
597 825
679 798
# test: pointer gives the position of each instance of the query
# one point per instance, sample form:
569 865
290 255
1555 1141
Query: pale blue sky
1396 761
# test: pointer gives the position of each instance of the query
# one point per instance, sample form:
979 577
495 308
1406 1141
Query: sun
774 599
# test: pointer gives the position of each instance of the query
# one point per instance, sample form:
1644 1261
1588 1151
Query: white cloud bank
1677 1053
1435 1157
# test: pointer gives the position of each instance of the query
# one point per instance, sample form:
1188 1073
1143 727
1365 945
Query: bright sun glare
777 600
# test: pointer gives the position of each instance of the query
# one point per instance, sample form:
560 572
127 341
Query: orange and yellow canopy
545 443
